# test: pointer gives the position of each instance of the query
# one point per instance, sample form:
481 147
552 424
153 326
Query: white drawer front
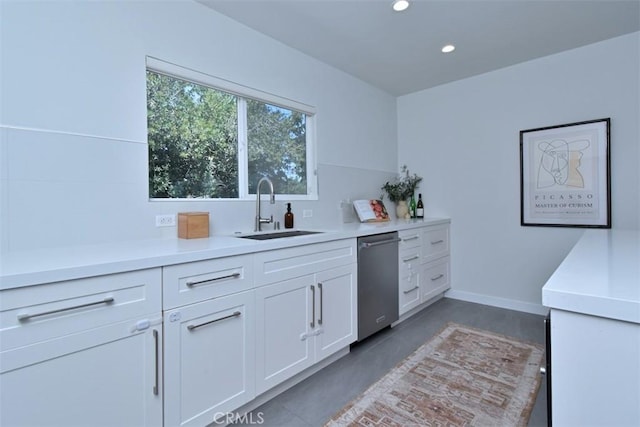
435 243
410 238
283 264
409 292
409 261
38 313
184 284
436 278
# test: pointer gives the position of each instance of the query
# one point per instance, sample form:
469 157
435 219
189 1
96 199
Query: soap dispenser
288 217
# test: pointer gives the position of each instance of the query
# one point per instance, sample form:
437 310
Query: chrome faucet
272 200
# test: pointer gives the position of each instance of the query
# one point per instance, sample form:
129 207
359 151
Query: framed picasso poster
565 175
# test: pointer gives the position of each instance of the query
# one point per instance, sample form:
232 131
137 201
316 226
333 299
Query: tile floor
312 402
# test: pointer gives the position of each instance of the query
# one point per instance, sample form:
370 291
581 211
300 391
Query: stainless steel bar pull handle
406 239
25 316
437 241
156 339
439 276
193 327
215 279
320 318
411 259
381 242
313 306
411 290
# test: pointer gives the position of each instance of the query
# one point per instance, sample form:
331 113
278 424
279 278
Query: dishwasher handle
365 245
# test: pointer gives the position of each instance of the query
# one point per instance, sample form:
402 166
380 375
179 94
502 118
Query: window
213 139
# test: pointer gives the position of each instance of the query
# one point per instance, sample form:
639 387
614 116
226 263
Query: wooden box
193 225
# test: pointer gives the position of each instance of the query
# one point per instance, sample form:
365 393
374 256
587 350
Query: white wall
463 138
73 153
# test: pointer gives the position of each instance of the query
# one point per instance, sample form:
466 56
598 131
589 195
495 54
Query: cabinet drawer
435 243
283 264
38 313
410 238
409 260
436 278
184 284
409 292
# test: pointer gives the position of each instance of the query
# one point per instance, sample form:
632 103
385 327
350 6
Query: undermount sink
278 235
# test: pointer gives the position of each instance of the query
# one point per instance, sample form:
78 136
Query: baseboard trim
510 304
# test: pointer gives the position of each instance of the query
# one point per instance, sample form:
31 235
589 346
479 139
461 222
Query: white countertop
600 276
33 267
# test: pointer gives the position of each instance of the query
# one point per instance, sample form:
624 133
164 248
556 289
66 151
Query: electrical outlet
307 213
165 220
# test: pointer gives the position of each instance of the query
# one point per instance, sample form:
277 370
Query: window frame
244 92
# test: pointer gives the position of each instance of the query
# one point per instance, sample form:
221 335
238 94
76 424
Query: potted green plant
401 189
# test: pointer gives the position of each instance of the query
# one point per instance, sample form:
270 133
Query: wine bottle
420 208
412 207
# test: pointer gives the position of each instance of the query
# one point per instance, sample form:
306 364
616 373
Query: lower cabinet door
208 359
284 335
108 376
336 310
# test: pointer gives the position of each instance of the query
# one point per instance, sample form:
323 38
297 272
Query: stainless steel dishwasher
377 282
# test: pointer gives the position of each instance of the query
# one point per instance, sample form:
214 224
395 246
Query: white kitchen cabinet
284 345
336 310
435 277
595 370
82 352
594 303
424 270
309 313
209 359
109 376
409 269
302 321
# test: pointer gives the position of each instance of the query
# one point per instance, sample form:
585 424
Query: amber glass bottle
288 217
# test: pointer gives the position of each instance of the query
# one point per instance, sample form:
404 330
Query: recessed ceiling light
448 48
400 5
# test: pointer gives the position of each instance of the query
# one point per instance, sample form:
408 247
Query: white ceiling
399 52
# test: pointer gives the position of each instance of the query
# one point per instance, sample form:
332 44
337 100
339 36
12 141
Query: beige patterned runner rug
460 377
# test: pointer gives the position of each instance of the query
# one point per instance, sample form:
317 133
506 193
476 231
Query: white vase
402 210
